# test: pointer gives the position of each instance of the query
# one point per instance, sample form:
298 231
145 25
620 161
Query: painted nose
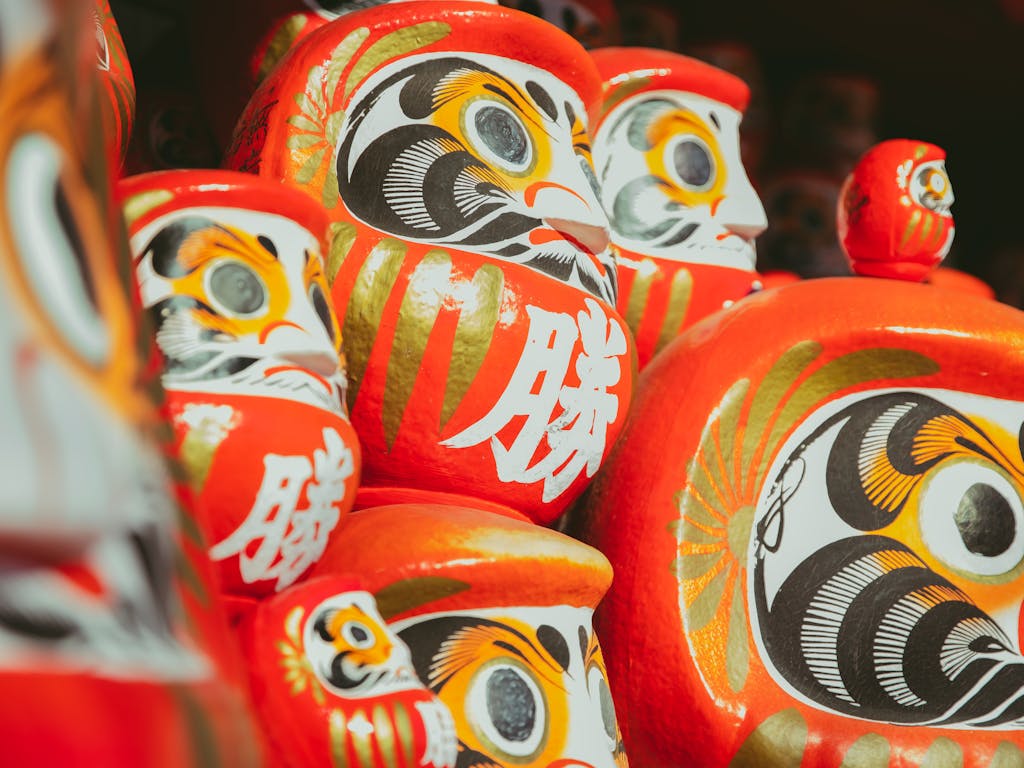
592 237
741 211
318 362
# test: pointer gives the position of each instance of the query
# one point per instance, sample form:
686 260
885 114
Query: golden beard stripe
406 737
915 217
639 293
338 730
473 337
678 303
385 734
370 293
417 316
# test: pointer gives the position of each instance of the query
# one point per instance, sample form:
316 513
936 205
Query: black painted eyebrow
542 98
714 119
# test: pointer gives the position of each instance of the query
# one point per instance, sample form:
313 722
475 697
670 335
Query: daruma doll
229 267
684 215
822 540
471 265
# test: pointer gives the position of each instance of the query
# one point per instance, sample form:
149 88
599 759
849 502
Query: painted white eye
508 709
973 519
358 635
235 289
601 696
499 135
930 187
51 247
691 161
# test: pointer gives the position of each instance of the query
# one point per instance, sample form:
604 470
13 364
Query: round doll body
471 265
249 343
827 558
684 215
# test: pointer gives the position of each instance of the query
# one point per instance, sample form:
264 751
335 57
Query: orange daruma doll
471 264
818 531
683 212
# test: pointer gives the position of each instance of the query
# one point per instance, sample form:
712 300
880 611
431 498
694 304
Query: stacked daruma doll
684 214
489 372
111 650
827 561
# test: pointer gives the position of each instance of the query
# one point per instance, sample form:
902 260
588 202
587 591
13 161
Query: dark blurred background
946 71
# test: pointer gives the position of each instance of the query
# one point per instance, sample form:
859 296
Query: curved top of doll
382 33
627 71
148 196
427 558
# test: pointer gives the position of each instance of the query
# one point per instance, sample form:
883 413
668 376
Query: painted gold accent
943 753
779 742
473 336
1007 755
362 738
678 303
639 293
869 751
198 725
926 227
343 237
400 596
915 217
338 733
199 449
771 390
406 735
855 368
622 92
393 45
702 610
370 293
187 573
280 44
385 733
737 644
293 624
137 206
421 304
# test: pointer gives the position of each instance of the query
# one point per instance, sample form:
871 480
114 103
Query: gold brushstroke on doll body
421 304
370 293
678 303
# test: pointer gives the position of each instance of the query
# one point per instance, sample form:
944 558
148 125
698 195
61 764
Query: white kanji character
577 436
291 539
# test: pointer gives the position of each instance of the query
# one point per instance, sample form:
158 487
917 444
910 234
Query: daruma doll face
471 265
249 341
684 214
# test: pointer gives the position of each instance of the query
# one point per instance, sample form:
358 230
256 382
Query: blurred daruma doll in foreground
497 614
471 262
110 651
230 269
684 214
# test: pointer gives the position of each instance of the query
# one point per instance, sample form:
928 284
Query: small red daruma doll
334 685
683 212
229 266
894 217
471 264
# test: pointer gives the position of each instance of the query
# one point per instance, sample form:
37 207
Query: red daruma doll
230 269
684 214
471 264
